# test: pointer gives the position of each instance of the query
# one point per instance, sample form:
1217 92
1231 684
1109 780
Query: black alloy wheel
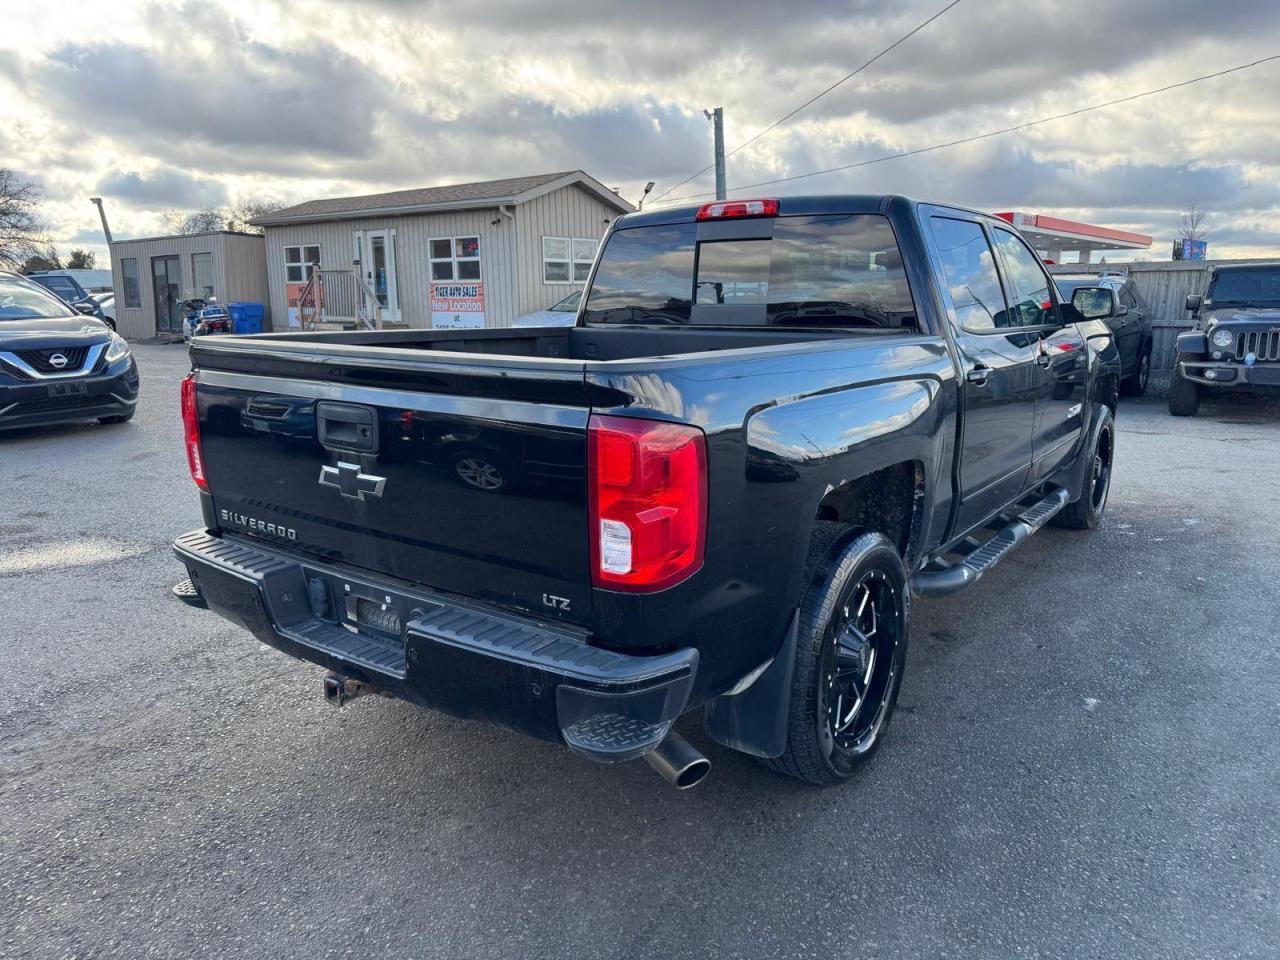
850 654
862 667
1136 385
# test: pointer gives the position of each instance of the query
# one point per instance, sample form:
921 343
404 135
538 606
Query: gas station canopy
1054 237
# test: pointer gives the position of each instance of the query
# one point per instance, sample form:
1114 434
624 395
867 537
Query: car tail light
191 427
737 209
648 492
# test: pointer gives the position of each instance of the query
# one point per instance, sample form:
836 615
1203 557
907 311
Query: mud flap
755 720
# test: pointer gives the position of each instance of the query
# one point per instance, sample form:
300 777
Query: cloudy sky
156 106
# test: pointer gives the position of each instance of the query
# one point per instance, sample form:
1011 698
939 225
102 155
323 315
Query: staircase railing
344 297
309 292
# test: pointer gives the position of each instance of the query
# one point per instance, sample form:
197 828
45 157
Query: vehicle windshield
802 271
1249 285
20 300
568 305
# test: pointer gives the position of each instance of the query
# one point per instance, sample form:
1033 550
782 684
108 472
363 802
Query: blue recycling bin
246 317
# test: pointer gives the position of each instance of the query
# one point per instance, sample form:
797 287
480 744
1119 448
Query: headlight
1222 338
117 348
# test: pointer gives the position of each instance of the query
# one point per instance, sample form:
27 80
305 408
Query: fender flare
1193 341
1075 478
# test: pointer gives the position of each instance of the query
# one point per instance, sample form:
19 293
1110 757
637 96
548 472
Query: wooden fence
1164 286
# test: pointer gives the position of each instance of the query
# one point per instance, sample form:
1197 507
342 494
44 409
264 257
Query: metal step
613 738
382 654
942 578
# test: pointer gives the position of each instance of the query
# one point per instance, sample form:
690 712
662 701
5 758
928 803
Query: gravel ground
1085 761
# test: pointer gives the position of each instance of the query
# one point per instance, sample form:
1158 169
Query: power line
812 100
988 134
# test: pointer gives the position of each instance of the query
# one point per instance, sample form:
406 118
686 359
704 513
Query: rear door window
800 271
970 268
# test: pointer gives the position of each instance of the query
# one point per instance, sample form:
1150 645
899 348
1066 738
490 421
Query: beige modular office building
151 275
466 255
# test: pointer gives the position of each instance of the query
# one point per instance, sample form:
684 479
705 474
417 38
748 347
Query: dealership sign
315 300
457 304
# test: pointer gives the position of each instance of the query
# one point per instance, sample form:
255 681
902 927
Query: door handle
345 426
1043 360
978 375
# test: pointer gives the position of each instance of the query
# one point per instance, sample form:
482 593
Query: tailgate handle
345 426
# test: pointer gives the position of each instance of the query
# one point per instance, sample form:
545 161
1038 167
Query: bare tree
205 220
1191 224
247 208
80 259
22 231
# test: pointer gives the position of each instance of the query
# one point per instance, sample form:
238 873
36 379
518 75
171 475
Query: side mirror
1122 310
1094 303
1193 302
88 309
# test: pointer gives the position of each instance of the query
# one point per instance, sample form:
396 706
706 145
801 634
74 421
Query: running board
941 577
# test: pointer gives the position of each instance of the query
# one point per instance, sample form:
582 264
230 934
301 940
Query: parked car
1129 318
107 304
774 421
68 288
562 313
1235 345
57 365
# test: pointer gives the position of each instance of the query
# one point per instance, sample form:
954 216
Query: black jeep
1236 343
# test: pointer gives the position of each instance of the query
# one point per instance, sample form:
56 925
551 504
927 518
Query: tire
1184 396
1087 512
842 567
122 418
1136 385
480 470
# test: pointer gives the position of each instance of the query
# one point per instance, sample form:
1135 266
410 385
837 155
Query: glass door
166 284
376 253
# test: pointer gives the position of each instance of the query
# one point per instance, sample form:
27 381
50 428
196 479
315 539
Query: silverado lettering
253 523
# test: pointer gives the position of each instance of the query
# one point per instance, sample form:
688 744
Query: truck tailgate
464 478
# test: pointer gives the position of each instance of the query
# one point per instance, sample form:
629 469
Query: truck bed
570 343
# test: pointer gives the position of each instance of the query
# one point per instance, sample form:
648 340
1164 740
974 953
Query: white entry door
375 251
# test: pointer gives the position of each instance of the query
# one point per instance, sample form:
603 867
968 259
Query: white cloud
156 105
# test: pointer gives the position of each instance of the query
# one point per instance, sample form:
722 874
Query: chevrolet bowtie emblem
350 481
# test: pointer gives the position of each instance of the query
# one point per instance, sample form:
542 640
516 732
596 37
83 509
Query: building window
202 274
129 270
455 258
567 259
300 263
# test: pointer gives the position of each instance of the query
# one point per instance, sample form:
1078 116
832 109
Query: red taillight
731 209
648 490
191 427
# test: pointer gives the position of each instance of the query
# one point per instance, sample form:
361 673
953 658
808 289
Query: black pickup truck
774 422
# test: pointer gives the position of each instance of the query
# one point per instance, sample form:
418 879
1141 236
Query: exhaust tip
679 763
692 775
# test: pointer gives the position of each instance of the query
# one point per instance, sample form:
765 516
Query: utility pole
716 117
106 230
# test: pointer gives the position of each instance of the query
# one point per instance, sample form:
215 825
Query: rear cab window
828 270
64 287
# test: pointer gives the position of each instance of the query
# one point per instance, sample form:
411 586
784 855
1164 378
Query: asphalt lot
1085 762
